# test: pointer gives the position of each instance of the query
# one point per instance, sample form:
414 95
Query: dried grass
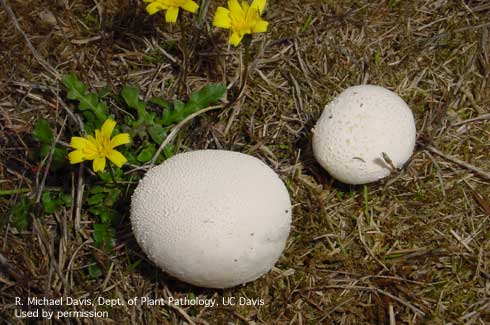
412 249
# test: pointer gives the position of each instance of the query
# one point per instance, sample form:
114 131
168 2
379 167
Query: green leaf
197 100
112 196
77 90
59 157
131 96
104 236
169 151
377 56
42 132
165 104
307 24
50 204
45 149
65 199
20 214
173 115
96 199
208 95
134 265
157 133
94 271
146 154
109 217
75 87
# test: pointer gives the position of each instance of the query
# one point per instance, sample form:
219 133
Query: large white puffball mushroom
212 218
362 132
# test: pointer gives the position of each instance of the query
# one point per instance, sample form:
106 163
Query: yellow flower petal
235 9
98 164
235 39
98 138
78 143
190 6
117 158
222 18
120 139
154 7
245 6
260 27
171 14
91 139
107 128
259 5
76 156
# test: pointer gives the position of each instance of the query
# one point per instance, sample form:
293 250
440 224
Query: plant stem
203 9
111 172
185 59
247 41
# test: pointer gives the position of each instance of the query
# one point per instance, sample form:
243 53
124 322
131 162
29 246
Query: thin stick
391 312
48 162
167 294
14 191
361 238
34 52
380 291
185 58
439 175
79 198
478 118
483 174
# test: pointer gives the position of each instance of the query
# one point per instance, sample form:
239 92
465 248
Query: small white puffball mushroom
362 133
212 218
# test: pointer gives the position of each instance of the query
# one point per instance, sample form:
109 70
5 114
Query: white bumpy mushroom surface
212 218
361 131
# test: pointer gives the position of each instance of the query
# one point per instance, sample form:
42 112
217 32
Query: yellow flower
99 148
172 7
244 19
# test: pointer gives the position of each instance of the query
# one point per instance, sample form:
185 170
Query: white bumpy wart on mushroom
212 218
362 133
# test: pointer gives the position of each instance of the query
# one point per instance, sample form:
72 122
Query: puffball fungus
362 133
212 218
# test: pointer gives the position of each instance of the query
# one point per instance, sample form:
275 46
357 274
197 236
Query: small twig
75 117
441 181
458 238
483 174
44 239
14 191
34 52
380 291
79 198
391 312
361 238
48 162
478 118
167 294
185 58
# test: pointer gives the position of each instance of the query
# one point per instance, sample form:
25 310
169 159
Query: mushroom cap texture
357 127
212 218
